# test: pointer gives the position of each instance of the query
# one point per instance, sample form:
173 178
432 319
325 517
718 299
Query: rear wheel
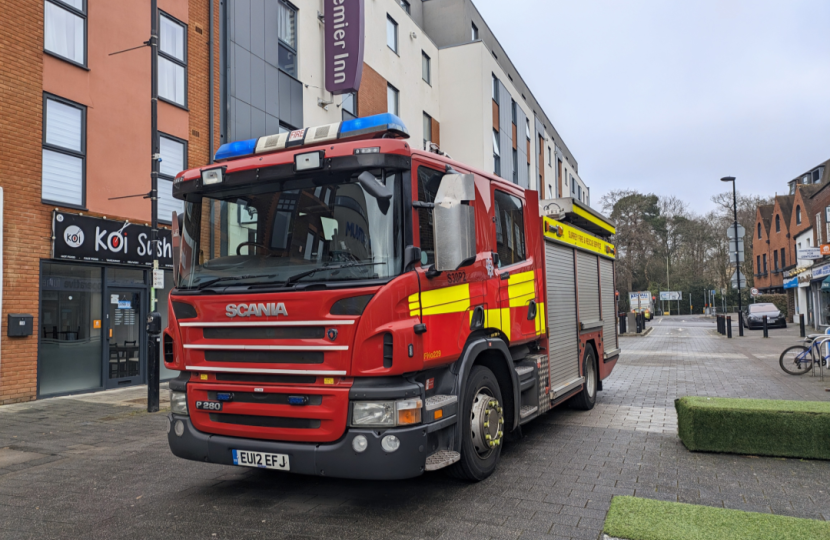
796 360
586 399
482 427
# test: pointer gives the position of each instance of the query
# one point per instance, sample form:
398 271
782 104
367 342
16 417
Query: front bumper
753 323
336 459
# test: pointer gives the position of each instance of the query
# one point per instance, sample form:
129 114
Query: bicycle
798 359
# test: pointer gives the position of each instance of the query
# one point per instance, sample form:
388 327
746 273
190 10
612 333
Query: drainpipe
210 78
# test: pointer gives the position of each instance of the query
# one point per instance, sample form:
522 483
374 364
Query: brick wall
778 240
371 98
26 224
198 86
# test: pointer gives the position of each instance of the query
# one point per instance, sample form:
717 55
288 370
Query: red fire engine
349 306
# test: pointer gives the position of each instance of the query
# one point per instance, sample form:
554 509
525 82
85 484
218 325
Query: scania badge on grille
256 310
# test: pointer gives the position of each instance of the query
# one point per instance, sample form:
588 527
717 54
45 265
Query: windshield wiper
210 282
301 275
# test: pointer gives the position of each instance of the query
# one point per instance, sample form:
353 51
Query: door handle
531 310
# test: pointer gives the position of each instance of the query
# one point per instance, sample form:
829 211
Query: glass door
125 344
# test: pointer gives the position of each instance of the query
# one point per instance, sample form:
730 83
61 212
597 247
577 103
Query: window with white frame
349 106
496 154
287 34
172 64
527 128
64 29
391 33
392 100
427 130
405 5
426 71
173 153
64 152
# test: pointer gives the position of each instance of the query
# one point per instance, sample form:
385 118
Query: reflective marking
270 323
264 371
593 219
521 277
269 347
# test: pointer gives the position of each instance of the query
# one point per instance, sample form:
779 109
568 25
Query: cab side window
428 181
510 229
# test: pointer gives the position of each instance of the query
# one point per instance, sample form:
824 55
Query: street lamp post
737 255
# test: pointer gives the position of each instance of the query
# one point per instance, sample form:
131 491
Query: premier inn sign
344 45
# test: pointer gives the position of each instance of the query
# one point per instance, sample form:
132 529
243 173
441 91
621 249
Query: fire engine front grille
266 357
265 421
274 379
266 399
259 332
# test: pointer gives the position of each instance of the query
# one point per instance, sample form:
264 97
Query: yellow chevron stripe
452 307
445 295
523 300
522 277
528 287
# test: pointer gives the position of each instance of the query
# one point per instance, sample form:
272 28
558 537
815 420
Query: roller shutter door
609 308
588 282
563 349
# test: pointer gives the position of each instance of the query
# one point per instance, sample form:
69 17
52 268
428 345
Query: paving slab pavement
98 466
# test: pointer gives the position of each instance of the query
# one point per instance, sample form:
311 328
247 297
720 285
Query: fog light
360 444
179 428
169 426
390 443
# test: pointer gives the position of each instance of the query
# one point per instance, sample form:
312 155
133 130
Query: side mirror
454 222
177 242
377 190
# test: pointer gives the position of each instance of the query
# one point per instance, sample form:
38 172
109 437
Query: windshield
762 308
328 229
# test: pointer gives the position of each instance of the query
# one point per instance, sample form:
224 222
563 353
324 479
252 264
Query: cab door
447 300
515 266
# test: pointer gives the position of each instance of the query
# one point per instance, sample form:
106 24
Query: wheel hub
486 423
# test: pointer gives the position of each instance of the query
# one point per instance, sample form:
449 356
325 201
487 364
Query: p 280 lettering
209 405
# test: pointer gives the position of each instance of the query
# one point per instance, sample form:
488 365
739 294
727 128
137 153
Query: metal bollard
623 320
741 323
729 327
766 333
801 324
720 324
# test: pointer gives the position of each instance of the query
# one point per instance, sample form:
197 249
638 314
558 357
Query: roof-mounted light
368 127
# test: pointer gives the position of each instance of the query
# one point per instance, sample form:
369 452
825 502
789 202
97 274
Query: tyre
794 361
585 400
482 427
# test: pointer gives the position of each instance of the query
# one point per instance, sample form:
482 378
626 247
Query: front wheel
482 427
797 360
585 400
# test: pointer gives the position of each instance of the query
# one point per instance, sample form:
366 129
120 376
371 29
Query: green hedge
633 518
780 301
765 427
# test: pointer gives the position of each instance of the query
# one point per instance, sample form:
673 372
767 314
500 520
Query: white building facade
434 63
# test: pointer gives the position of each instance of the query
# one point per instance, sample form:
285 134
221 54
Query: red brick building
79 119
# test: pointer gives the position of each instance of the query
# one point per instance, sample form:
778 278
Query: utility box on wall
20 325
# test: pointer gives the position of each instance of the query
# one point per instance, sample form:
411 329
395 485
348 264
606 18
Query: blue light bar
236 149
373 124
350 129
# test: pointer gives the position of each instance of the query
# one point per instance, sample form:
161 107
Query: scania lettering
346 305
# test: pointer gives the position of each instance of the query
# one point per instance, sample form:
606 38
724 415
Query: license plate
209 405
262 460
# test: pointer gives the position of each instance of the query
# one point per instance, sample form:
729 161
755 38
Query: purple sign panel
344 45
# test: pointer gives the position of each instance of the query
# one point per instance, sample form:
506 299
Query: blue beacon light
357 127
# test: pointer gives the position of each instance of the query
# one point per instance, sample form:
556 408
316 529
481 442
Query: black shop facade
94 300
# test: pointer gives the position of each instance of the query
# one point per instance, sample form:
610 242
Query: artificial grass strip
765 427
633 518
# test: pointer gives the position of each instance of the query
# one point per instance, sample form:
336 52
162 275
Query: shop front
821 296
94 300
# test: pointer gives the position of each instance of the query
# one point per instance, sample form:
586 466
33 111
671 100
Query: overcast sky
669 96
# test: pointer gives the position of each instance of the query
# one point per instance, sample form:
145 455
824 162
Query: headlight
386 413
178 402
